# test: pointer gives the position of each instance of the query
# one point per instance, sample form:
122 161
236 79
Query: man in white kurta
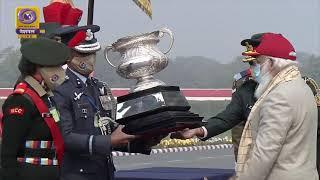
279 139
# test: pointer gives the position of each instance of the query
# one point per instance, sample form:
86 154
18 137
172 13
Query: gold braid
313 83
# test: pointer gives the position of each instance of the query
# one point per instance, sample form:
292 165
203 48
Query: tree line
186 72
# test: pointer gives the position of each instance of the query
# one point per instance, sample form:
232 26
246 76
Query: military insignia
240 78
106 102
233 90
242 74
89 35
249 52
249 106
55 114
16 111
77 96
103 123
102 92
78 83
249 47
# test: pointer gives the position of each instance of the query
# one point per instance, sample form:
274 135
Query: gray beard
263 85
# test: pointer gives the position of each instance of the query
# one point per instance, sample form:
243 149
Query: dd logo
27 16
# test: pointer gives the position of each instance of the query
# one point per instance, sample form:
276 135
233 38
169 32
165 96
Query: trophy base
163 122
157 110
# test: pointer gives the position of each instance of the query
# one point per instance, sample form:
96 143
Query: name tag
55 114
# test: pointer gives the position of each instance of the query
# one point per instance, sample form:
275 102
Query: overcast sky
210 28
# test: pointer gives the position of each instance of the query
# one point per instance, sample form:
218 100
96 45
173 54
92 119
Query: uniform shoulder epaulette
66 78
95 80
242 74
240 78
64 84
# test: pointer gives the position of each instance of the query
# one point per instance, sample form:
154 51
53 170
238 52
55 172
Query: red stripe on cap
79 37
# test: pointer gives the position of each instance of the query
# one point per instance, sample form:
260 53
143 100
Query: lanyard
105 126
92 102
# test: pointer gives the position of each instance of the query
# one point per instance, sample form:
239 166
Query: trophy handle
106 54
166 30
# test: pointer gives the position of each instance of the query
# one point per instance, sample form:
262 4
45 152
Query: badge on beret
16 111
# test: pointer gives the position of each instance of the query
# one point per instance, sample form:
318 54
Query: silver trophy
151 105
141 58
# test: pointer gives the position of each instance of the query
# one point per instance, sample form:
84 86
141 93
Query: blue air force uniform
88 150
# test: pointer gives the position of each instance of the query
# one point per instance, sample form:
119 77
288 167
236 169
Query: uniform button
81 170
85 116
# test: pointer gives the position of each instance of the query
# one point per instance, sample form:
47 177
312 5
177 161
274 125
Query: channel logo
27 21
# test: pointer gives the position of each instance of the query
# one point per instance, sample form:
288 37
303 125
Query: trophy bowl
141 58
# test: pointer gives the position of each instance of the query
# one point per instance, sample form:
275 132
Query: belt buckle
46 115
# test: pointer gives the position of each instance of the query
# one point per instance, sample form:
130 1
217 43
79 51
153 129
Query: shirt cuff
101 145
205 133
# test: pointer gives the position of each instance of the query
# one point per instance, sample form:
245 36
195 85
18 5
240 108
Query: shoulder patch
241 78
16 111
20 88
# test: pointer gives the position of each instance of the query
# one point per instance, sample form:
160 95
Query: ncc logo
16 111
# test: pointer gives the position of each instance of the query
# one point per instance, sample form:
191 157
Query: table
174 173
